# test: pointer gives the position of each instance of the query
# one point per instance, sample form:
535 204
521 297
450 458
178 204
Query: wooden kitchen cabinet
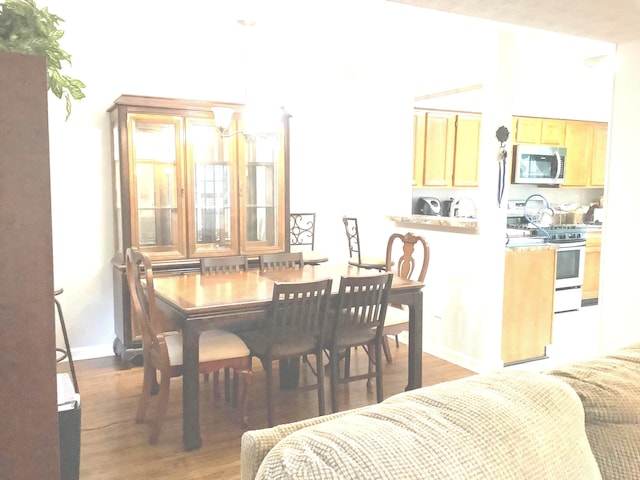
539 131
183 191
446 149
591 283
599 154
527 317
586 144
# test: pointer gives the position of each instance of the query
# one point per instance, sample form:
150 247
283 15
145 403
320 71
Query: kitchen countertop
433 222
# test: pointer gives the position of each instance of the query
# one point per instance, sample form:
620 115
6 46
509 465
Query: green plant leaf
24 28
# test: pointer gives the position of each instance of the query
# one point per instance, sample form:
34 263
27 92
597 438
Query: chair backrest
281 261
143 300
217 265
302 227
298 308
353 237
362 302
407 263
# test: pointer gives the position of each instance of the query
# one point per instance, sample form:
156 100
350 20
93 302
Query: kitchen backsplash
556 196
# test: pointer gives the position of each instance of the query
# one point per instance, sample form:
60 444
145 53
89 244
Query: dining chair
294 326
162 351
302 228
280 261
358 320
356 257
216 265
397 319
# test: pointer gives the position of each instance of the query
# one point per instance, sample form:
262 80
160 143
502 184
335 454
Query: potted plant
24 28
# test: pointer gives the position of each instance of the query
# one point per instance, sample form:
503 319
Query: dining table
202 302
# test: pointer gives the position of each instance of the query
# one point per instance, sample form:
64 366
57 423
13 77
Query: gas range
563 233
550 234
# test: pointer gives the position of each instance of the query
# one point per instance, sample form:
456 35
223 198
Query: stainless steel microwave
539 165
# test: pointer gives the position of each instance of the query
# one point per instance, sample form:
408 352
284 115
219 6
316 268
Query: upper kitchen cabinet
586 144
184 189
539 131
446 149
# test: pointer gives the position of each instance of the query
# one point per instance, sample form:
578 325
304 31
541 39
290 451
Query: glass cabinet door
212 190
156 195
262 194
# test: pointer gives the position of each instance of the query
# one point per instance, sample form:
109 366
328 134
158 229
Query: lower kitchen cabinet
527 316
591 283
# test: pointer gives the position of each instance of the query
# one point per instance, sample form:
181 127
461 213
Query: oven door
570 264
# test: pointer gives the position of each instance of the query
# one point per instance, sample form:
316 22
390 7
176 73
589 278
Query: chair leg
386 349
247 377
216 387
378 373
347 363
149 376
227 385
267 366
371 353
397 342
334 366
320 382
163 403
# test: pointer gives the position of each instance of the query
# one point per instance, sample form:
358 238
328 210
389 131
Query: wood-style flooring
113 446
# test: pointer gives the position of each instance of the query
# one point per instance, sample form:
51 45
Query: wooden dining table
203 302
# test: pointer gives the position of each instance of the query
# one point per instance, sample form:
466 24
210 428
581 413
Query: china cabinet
186 188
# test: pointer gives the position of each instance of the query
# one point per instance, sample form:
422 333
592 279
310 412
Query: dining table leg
415 342
190 388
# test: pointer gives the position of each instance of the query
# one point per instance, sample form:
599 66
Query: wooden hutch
185 188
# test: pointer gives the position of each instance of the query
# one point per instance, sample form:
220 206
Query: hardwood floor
113 446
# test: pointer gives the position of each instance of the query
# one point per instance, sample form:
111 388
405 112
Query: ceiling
615 21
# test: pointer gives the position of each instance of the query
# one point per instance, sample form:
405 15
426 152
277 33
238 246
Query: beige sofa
577 422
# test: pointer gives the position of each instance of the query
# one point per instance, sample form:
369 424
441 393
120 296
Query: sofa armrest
256 444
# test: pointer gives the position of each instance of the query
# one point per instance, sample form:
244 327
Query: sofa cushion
609 388
507 425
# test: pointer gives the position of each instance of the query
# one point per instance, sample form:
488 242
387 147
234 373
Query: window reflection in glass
212 179
156 163
262 187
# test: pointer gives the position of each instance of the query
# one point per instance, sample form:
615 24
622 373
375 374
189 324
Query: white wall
619 263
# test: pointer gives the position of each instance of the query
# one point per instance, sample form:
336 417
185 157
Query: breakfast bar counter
437 222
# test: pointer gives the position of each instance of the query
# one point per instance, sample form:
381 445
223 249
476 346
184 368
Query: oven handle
571 245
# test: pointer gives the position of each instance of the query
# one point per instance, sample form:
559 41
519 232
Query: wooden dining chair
356 257
294 326
217 265
162 351
397 319
302 234
358 320
281 261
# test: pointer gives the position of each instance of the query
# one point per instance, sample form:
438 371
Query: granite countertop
457 224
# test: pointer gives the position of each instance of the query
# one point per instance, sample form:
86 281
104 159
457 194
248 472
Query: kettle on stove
428 206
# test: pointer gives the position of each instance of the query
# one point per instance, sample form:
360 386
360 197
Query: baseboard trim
93 351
